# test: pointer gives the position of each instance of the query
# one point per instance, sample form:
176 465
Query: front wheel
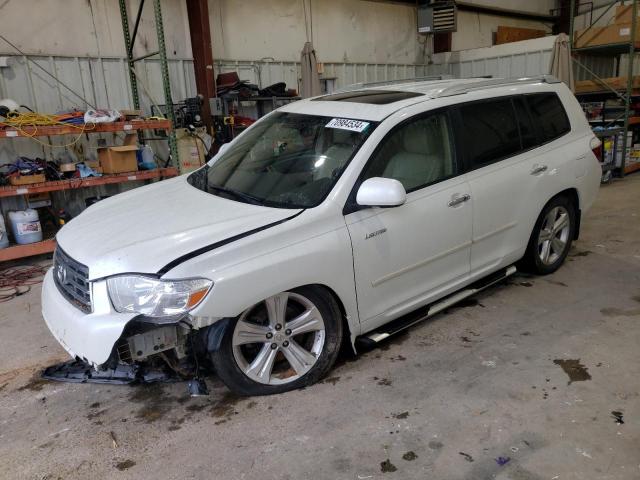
287 341
551 237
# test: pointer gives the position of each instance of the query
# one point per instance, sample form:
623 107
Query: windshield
287 160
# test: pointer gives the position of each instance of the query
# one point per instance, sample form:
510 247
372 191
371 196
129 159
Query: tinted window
417 154
527 131
548 113
490 130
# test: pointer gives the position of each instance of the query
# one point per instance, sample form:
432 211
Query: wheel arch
573 195
216 331
344 316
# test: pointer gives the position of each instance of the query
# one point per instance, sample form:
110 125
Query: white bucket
25 225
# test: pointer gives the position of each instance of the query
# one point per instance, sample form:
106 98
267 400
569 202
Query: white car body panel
427 251
401 254
142 230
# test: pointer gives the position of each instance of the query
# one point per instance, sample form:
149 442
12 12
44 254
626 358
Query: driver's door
406 256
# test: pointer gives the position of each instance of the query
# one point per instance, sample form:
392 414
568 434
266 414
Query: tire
548 247
280 360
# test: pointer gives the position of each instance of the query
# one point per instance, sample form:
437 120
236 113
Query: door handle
457 199
538 169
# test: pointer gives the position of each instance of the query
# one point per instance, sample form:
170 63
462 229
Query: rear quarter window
548 115
489 130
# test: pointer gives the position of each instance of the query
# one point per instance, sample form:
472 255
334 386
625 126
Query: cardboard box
506 34
27 179
623 14
594 36
118 159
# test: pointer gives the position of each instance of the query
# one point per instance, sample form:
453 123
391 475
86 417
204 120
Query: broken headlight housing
152 297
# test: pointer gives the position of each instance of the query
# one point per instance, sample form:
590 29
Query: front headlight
153 297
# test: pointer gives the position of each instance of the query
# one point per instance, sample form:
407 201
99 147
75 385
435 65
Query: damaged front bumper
105 337
90 337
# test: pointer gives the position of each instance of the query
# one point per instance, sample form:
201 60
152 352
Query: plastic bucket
25 225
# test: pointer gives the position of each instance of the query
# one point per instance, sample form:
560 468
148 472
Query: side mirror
223 148
381 192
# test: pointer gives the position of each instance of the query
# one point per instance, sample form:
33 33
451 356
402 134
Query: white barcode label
21 191
346 124
625 31
131 177
12 133
128 126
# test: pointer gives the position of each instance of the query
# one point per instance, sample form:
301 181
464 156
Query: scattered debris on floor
466 456
576 371
125 465
502 461
76 371
618 416
387 466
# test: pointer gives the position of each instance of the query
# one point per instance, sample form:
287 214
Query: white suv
348 216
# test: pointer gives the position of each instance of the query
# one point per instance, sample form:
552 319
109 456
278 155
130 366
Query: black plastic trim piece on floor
77 371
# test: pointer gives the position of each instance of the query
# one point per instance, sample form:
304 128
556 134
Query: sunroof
374 97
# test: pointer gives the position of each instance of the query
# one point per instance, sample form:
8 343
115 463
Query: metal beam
164 67
135 28
505 12
200 32
627 103
128 49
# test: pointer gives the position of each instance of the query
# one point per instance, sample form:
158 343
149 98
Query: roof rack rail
459 89
358 86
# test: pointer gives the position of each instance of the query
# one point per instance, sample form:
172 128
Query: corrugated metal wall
104 82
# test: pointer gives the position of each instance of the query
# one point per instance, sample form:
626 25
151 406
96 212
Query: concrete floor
443 401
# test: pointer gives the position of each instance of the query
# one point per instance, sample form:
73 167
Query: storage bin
25 225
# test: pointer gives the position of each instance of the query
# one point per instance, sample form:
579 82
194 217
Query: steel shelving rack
129 42
13 252
617 50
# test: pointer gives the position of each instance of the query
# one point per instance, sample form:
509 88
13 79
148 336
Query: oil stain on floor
576 371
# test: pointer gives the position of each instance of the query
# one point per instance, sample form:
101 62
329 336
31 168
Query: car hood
145 229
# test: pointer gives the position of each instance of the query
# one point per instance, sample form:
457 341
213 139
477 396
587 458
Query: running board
385 331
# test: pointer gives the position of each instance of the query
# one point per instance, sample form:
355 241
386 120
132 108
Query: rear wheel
551 237
287 341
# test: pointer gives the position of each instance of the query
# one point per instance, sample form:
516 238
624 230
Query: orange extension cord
17 280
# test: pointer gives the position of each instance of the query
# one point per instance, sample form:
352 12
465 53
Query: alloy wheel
279 340
554 235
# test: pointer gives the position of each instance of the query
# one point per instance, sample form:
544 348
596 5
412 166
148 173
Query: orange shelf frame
45 131
19 251
73 183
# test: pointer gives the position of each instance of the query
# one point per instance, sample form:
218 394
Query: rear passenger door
510 161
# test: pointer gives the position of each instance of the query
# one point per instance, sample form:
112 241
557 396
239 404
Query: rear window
490 130
549 115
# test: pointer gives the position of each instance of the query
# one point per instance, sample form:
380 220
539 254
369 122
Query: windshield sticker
345 124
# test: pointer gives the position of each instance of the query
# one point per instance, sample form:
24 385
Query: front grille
72 280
